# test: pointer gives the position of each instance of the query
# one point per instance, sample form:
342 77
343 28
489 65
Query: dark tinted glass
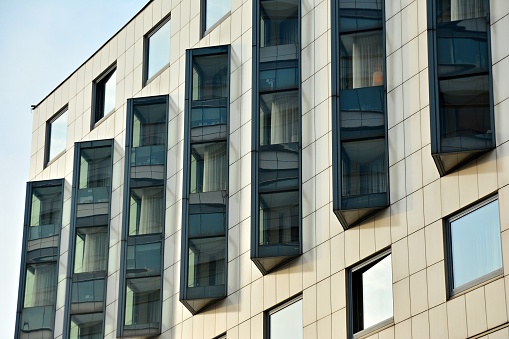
144 259
357 15
279 22
279 75
454 10
91 249
86 326
278 167
209 167
95 167
149 125
105 91
279 118
207 222
37 318
88 291
146 210
206 262
40 285
279 218
143 303
45 213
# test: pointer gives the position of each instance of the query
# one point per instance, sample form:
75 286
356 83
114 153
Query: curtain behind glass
214 169
94 252
151 212
284 118
467 9
40 285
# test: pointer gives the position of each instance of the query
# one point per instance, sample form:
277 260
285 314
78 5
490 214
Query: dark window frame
213 292
125 237
146 51
365 264
356 214
98 96
47 144
282 305
259 252
25 257
203 19
434 94
449 274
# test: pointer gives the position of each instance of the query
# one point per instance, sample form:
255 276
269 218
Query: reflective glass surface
453 10
86 326
146 210
143 303
475 244
206 262
158 50
45 213
88 291
105 92
358 15
279 22
279 218
279 118
287 322
144 259
215 10
149 125
91 249
57 136
95 167
40 284
209 167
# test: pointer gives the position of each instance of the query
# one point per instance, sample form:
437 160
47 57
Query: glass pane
95 167
279 118
362 113
287 322
45 214
279 75
209 167
158 50
362 59
453 10
206 262
143 304
278 167
356 15
146 210
476 246
207 224
86 326
144 259
149 125
91 249
58 135
377 293
279 22
215 10
37 318
465 114
88 291
363 167
279 218
40 285
110 92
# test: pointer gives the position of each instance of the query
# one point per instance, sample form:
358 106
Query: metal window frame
282 305
203 19
336 118
47 142
159 99
184 264
23 263
146 50
98 85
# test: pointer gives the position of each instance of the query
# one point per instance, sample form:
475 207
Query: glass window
45 214
86 326
158 50
475 245
214 11
56 135
146 210
40 285
95 167
279 23
206 262
105 91
144 259
279 218
286 321
91 249
454 10
142 305
209 167
279 118
88 291
371 293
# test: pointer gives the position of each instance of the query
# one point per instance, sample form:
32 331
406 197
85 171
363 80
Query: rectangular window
146 210
45 214
276 211
143 304
360 156
474 246
104 95
212 11
91 249
370 293
285 321
56 135
204 211
460 82
86 326
157 49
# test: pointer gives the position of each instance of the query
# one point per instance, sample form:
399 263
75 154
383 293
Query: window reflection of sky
287 323
377 293
216 9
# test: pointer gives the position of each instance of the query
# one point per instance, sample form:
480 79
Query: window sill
55 158
218 22
105 117
374 329
158 73
475 284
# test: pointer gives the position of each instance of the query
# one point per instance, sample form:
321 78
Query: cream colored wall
412 226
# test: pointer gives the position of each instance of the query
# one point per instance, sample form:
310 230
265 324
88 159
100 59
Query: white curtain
467 9
376 178
152 211
214 168
94 252
284 118
42 291
367 60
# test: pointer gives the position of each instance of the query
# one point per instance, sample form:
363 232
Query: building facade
276 169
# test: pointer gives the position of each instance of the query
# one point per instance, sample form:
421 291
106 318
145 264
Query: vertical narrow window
285 321
89 245
276 214
474 246
360 166
144 209
461 102
212 11
39 264
205 197
157 49
56 135
104 95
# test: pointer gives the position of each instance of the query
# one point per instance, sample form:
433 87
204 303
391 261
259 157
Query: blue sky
41 43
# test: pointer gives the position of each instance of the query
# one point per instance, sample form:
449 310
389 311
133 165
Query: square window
56 135
157 49
86 326
91 249
104 95
285 321
213 11
474 246
143 303
370 291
